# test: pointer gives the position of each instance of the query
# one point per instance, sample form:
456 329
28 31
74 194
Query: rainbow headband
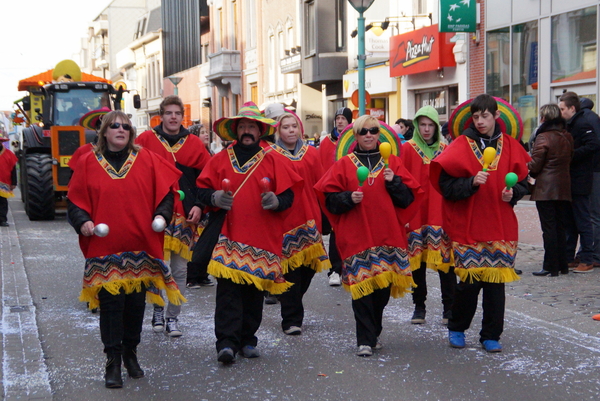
347 142
510 121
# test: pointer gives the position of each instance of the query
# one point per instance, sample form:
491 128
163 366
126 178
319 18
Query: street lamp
175 81
361 6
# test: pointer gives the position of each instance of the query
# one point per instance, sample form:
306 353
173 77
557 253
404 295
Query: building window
254 93
281 54
574 45
234 24
420 6
498 63
250 24
340 20
524 88
310 24
272 62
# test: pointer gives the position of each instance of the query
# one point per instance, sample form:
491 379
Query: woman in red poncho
126 188
8 179
370 225
303 250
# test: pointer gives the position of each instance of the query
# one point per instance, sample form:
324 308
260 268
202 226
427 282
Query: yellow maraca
489 154
385 149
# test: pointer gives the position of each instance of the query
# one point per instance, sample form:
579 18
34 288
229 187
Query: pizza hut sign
422 50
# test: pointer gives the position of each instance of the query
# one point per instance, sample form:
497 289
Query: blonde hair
550 112
107 121
360 122
280 118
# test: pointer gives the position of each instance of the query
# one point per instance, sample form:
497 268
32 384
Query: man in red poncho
479 219
248 190
187 153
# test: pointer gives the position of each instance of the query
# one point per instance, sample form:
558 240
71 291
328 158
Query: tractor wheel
39 198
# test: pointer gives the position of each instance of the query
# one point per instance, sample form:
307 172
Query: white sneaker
364 350
293 331
335 280
172 328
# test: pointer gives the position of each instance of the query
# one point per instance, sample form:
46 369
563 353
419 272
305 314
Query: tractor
57 99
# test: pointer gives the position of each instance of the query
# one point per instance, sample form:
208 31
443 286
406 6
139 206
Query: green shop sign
458 15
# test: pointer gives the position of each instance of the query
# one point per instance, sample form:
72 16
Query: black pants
121 318
368 313
238 314
579 224
292 309
3 209
202 253
554 219
334 255
447 286
465 305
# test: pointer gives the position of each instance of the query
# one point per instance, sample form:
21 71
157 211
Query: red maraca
265 184
226 184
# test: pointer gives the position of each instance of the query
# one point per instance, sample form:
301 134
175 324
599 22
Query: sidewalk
24 373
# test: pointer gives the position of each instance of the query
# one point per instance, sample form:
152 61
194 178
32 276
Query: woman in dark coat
551 158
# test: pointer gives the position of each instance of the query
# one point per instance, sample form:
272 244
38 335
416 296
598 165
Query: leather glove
269 201
222 199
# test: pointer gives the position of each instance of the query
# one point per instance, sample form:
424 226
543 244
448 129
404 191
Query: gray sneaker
293 331
248 351
364 350
172 328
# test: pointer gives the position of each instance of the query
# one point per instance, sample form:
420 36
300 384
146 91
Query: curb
24 371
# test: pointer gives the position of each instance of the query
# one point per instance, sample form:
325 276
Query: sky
36 35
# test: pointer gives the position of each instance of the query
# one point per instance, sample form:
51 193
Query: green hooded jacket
431 113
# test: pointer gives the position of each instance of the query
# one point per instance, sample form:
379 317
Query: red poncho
83 149
483 228
8 160
180 235
371 237
125 200
303 244
327 152
427 240
249 247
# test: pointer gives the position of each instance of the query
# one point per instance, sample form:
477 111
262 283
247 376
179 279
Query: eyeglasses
126 127
372 130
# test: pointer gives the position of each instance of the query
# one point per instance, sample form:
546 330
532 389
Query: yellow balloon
489 154
385 149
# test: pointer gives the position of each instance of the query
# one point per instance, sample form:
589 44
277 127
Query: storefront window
574 45
498 63
525 74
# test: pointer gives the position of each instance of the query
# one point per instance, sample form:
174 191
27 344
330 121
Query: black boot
112 378
131 363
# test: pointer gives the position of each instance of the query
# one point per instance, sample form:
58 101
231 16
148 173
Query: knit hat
225 127
274 110
93 119
344 111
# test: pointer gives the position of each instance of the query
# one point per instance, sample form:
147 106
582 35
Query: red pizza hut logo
415 52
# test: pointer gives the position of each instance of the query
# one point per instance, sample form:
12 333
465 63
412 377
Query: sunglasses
372 130
126 127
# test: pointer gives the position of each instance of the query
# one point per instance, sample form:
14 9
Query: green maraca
511 180
362 173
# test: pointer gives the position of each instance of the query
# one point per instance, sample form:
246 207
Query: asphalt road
550 352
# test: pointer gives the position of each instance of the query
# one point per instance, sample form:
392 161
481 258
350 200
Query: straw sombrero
510 120
92 119
225 127
347 142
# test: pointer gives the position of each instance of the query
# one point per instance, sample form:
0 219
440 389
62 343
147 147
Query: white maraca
159 224
101 230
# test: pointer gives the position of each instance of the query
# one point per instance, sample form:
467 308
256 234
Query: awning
46 77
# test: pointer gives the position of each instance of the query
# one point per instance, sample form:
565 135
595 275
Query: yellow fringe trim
307 257
487 274
90 294
174 245
7 195
433 261
401 285
239 277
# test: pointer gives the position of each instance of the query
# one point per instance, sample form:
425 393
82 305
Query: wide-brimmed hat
92 119
4 137
226 127
510 121
347 142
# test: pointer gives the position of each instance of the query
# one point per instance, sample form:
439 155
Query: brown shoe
573 265
596 264
584 268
